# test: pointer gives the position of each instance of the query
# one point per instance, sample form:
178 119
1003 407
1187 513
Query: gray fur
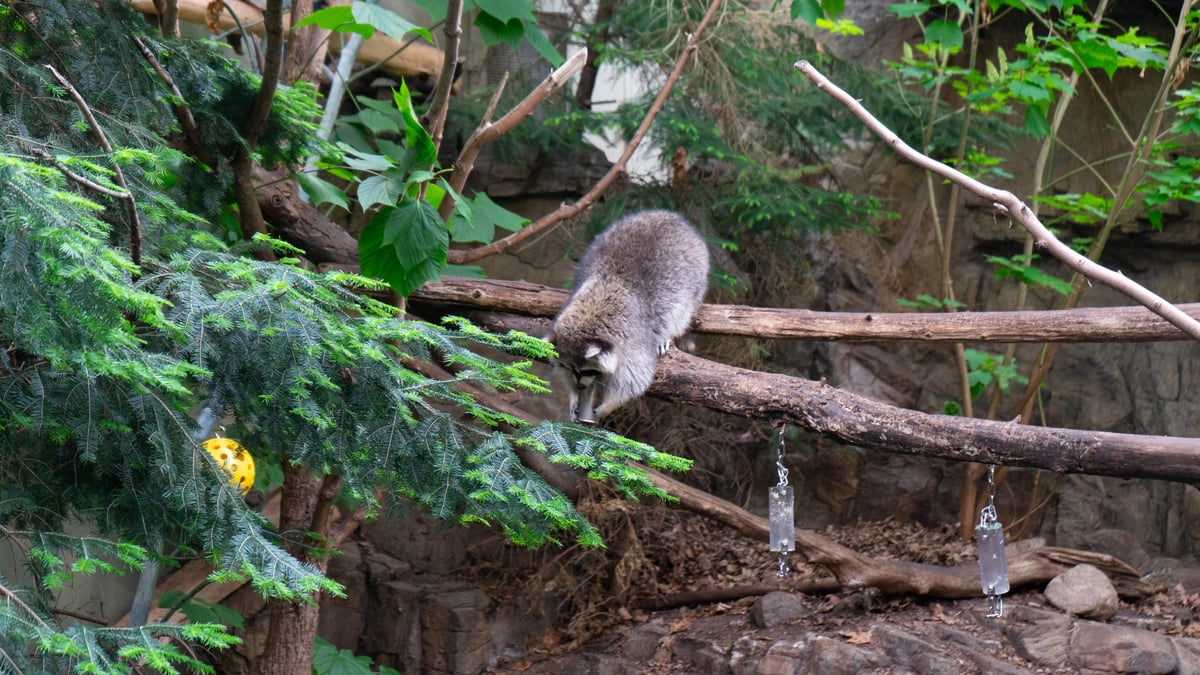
635 291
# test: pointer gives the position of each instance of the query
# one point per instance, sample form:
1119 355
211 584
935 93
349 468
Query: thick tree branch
273 30
434 120
850 568
1101 324
1007 202
565 211
857 420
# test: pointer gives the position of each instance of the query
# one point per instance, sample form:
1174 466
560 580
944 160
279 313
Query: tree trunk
304 518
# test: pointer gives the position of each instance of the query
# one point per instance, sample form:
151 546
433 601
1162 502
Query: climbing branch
1094 324
1007 202
565 211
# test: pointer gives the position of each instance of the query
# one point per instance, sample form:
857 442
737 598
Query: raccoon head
588 366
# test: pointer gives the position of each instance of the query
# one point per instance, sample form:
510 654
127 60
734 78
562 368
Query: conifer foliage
124 312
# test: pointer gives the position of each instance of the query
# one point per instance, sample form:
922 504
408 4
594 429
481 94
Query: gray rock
777 607
1097 647
785 657
1038 635
1085 591
642 642
836 657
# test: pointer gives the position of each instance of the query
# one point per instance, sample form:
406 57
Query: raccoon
635 291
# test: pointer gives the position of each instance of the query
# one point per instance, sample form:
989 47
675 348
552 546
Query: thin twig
1007 202
570 210
135 223
82 180
187 122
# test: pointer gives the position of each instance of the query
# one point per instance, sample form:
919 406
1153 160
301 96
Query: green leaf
337 18
321 191
419 150
386 21
378 190
809 10
542 44
1035 122
485 210
507 10
327 659
404 245
497 32
945 33
907 10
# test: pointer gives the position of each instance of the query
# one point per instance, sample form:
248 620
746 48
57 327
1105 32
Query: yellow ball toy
233 458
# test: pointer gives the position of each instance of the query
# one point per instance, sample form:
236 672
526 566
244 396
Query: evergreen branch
135 224
82 180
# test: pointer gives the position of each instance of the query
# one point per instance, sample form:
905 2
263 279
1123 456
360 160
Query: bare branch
135 223
187 122
1007 202
1093 324
434 120
489 132
570 210
82 180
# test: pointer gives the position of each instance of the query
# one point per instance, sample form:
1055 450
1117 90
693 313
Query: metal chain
780 451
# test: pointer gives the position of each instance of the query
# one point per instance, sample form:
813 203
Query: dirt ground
661 561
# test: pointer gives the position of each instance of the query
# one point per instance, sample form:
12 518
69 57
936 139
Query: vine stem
1008 203
462 257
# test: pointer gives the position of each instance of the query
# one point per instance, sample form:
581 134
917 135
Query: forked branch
1007 202
463 257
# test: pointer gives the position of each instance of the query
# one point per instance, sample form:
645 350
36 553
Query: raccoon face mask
587 373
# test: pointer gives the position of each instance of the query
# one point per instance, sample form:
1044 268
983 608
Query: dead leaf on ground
857 637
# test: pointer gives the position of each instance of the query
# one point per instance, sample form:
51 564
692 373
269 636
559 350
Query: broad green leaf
405 245
321 191
507 10
486 209
543 45
327 659
809 10
364 161
338 18
496 32
419 150
465 225
945 33
907 10
379 123
378 190
386 21
1035 122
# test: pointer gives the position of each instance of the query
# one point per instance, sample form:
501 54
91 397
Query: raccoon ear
596 348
